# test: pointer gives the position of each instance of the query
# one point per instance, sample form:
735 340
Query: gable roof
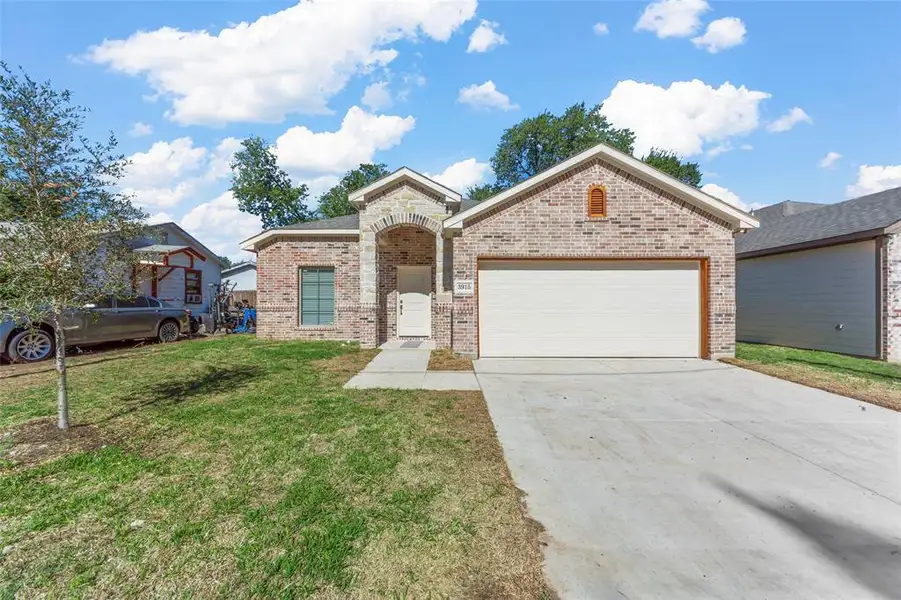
739 219
239 268
858 218
209 253
404 174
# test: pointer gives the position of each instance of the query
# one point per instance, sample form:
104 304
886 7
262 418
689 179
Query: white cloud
361 135
140 129
318 186
746 147
163 163
160 217
789 120
462 174
726 195
601 29
485 95
685 116
672 18
485 37
721 34
291 61
219 225
169 173
875 178
830 159
719 149
377 95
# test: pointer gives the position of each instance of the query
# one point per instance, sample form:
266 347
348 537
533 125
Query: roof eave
857 236
251 243
739 219
358 197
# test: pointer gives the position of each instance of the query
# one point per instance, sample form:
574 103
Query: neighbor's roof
161 248
865 216
244 266
736 217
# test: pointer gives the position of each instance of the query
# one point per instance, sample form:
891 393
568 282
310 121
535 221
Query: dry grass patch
445 359
863 379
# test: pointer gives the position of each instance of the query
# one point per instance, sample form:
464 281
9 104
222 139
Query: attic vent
597 201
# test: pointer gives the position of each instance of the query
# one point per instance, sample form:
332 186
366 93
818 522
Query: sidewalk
406 369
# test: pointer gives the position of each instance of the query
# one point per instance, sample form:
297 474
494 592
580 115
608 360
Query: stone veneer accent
642 222
402 204
278 286
403 245
891 298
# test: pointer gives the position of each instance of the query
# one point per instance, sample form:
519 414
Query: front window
193 287
317 296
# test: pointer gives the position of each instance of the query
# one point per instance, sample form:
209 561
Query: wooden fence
249 295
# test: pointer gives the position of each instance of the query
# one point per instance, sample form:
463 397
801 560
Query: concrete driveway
694 479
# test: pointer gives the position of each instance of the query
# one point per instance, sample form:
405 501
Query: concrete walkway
406 369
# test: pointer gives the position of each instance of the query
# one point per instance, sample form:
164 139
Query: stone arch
400 219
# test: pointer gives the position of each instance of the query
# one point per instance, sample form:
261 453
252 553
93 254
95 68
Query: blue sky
776 100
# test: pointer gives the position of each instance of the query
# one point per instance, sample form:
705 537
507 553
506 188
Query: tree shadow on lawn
213 380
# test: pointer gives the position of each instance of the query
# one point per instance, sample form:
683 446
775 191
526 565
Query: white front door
414 301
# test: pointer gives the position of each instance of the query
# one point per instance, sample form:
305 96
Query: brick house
824 276
600 255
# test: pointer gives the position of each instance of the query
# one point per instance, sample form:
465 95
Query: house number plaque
464 287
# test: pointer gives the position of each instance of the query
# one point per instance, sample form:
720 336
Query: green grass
862 378
241 468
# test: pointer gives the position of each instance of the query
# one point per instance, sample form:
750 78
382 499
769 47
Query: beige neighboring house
824 276
598 256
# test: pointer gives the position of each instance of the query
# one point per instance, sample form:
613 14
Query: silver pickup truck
108 320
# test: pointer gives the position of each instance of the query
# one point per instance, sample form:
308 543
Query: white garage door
589 308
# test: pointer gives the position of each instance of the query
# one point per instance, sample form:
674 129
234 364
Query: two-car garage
591 308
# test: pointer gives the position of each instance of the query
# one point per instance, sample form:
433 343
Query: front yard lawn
865 379
238 468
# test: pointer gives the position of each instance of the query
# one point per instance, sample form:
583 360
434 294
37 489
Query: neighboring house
177 269
824 276
243 275
600 255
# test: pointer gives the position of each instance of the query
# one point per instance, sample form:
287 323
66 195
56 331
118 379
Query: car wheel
168 332
31 345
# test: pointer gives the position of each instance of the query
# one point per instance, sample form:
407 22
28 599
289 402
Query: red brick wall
278 267
642 222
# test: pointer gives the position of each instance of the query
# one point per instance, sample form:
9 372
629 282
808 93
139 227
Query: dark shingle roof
775 212
345 222
866 213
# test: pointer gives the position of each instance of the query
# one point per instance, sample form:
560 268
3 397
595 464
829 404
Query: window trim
199 285
300 323
603 213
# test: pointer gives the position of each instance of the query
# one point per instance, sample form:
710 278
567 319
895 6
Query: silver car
108 320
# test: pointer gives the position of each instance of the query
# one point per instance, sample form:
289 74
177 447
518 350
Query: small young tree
64 229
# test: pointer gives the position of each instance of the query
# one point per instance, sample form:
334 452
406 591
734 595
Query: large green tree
262 188
335 202
483 191
537 143
64 227
673 164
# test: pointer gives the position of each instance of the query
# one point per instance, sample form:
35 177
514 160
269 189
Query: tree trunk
62 393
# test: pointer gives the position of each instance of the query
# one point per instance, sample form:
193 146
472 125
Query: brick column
369 331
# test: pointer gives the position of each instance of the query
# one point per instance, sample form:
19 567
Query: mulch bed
41 440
